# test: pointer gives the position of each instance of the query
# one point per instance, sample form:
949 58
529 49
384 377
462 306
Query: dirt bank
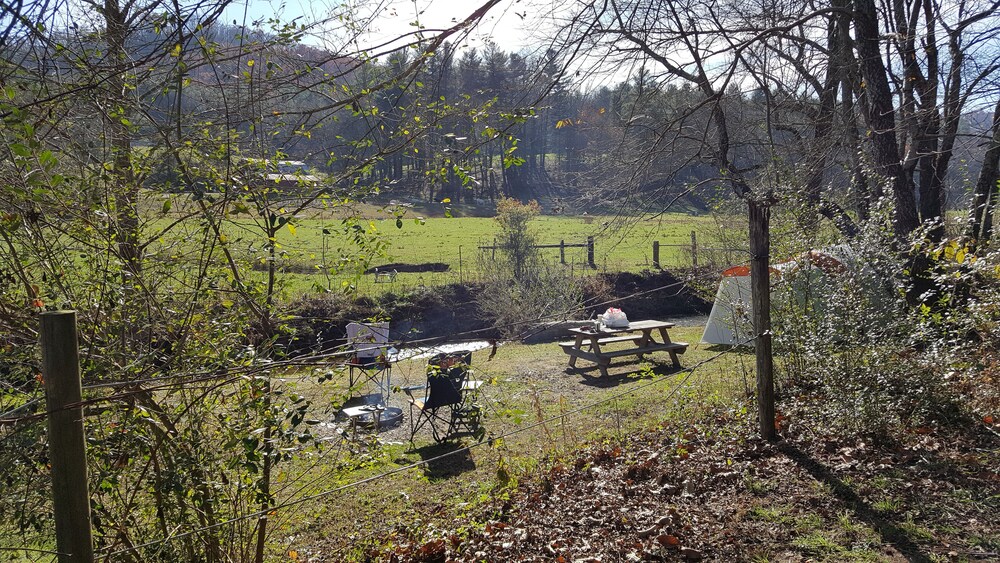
451 312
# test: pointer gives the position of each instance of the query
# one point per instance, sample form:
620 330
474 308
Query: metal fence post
67 446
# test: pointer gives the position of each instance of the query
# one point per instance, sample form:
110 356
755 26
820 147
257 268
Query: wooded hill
468 123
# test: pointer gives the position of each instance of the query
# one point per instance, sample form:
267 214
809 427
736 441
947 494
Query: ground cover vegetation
846 123
433 249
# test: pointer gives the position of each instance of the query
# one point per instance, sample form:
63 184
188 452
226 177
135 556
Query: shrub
852 338
519 289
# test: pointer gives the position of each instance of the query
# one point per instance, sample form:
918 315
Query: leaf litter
712 491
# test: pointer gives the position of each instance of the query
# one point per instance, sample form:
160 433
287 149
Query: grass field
318 239
533 409
306 255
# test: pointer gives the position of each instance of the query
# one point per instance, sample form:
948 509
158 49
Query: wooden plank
634 326
576 353
678 347
639 325
614 339
602 341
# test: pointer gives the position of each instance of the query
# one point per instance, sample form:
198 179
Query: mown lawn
314 244
455 243
533 410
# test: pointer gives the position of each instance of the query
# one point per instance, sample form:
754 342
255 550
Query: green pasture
318 251
621 245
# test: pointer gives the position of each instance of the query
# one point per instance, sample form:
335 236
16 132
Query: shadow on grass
591 375
437 467
888 530
742 349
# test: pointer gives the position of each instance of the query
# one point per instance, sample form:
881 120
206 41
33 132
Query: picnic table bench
588 343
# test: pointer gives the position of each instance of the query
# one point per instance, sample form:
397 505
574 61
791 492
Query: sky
505 23
522 26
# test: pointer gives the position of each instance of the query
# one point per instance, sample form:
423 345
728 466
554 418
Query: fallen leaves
715 492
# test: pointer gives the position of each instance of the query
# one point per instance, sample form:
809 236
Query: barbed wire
35 550
528 328
261 514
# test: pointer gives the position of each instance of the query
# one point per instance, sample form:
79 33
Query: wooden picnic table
588 343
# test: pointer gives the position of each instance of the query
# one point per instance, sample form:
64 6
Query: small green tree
516 241
123 195
520 289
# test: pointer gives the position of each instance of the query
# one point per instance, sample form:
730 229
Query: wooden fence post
562 252
67 446
656 254
694 249
590 252
760 296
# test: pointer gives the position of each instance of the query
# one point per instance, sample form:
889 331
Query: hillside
708 489
451 311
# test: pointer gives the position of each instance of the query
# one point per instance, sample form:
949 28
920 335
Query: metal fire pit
374 416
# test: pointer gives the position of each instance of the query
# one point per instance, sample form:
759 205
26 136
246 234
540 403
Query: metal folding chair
446 402
370 344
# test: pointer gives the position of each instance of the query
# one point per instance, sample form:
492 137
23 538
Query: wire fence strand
123 389
487 442
527 328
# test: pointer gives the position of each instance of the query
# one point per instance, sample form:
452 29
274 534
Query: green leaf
399 223
291 228
47 159
167 204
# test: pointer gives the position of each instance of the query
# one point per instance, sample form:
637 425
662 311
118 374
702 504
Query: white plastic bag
615 318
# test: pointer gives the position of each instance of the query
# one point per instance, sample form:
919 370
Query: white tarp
729 322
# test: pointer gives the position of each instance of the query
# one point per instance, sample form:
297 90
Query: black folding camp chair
447 401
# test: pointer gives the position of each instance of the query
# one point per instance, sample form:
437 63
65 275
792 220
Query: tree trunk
117 115
850 83
981 214
824 119
881 116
